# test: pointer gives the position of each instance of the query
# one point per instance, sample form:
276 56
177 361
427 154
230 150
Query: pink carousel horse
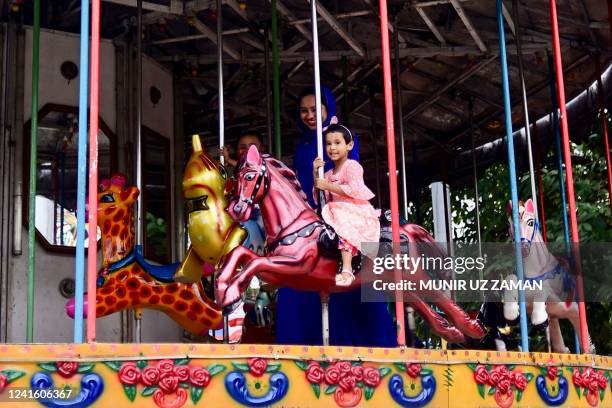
294 257
556 300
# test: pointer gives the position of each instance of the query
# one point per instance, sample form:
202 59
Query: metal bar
220 77
512 170
517 37
146 5
476 193
431 25
604 126
211 35
195 37
508 18
340 16
374 140
331 20
289 15
398 91
468 24
94 99
33 173
276 80
236 7
268 90
393 195
584 337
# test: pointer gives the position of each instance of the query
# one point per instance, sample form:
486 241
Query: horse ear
253 155
529 206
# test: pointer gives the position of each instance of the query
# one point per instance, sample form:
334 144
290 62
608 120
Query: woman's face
308 112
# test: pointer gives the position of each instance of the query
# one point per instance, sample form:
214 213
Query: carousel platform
220 375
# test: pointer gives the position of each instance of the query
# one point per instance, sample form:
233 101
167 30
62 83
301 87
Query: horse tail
426 245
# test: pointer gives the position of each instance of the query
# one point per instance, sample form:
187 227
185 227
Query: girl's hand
321 183
317 164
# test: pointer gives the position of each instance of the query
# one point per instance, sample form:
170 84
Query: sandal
345 281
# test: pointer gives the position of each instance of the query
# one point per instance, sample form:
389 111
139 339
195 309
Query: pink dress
352 216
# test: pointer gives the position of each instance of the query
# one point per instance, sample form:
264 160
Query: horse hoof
541 326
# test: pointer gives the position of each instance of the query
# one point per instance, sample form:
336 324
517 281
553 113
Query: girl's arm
325 185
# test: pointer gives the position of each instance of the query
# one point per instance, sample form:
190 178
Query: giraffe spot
154 300
134 295
120 292
145 291
172 288
119 216
124 195
122 304
106 227
100 310
196 308
106 290
206 322
110 300
132 283
122 275
146 277
210 312
192 316
187 295
180 306
109 210
158 289
115 230
167 299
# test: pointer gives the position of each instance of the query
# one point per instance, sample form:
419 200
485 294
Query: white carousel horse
556 299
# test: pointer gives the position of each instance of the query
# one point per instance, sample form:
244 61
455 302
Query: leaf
601 394
181 361
488 367
360 384
511 367
113 365
148 391
303 365
384 371
183 385
400 366
216 369
560 372
577 388
317 390
85 368
273 367
425 372
240 366
368 391
48 367
141 364
528 376
130 392
519 395
196 394
481 390
472 366
585 392
12 375
330 389
491 390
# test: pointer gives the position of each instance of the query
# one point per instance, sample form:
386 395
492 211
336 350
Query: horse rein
261 177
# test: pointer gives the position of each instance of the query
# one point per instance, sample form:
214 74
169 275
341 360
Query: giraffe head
204 190
116 218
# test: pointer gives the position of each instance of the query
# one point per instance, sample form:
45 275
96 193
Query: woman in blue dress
299 313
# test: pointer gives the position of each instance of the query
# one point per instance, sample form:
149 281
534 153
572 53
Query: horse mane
287 174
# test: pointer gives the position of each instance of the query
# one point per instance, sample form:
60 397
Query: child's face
247 141
308 112
336 147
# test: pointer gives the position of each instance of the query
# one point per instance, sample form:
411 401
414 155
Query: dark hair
311 91
253 133
337 128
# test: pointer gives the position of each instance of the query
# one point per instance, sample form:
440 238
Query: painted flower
257 366
314 373
552 372
168 383
347 383
165 366
481 375
344 367
332 375
129 374
504 386
67 368
520 381
371 377
577 378
198 376
602 381
498 374
413 370
3 382
150 376
181 372
357 372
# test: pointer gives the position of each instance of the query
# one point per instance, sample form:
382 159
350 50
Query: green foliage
156 233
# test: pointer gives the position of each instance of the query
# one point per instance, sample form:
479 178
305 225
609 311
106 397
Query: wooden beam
468 24
212 36
330 19
431 25
291 17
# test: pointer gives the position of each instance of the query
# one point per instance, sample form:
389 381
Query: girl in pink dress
347 208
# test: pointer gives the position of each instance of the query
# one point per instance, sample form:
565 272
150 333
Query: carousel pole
398 91
268 96
94 100
33 172
476 194
538 168
519 56
512 168
276 82
604 126
393 193
140 217
584 337
81 169
317 78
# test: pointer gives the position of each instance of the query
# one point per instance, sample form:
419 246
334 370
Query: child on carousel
347 207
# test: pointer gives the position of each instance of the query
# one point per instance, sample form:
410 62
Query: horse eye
107 198
249 177
530 223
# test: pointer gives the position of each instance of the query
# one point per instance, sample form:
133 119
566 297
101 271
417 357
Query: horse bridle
262 177
536 226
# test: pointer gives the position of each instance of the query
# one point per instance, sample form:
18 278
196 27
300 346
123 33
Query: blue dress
298 316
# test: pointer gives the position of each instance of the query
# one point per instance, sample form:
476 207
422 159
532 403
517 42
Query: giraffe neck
117 236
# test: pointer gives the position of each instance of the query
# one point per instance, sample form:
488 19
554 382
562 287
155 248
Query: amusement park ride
199 294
